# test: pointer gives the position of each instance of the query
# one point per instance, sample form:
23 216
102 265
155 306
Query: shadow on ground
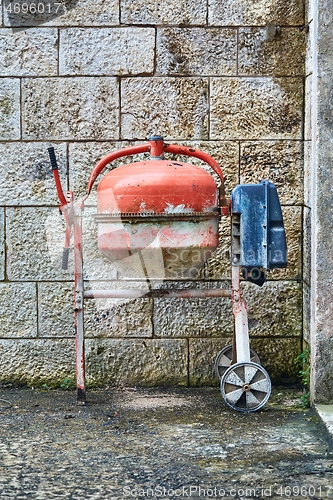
159 443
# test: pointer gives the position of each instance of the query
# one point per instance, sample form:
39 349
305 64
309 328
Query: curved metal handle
157 147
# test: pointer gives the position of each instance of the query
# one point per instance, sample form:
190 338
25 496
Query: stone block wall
226 77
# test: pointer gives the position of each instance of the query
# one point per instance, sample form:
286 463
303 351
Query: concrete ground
159 443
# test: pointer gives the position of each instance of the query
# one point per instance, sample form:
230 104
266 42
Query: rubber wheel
246 387
224 359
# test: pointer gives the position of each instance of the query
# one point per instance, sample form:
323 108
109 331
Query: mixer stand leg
78 305
241 342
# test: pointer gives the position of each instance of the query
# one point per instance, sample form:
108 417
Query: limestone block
1 17
70 108
307 245
248 13
35 239
107 51
118 317
37 361
18 306
307 173
177 106
202 355
137 361
207 317
277 356
77 13
256 108
26 175
55 309
293 223
275 309
280 162
151 12
2 244
32 52
196 51
9 109
102 317
261 53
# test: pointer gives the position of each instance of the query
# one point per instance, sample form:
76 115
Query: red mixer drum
158 218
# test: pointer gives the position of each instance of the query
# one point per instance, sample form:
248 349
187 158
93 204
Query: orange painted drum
158 218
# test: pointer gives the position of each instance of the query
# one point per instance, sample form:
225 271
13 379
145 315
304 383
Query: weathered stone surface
37 361
118 317
26 175
35 238
2 244
75 12
239 111
9 109
263 53
280 162
107 51
248 13
32 52
56 310
151 12
70 108
196 51
277 356
293 223
142 362
102 317
18 306
202 355
275 309
177 106
193 317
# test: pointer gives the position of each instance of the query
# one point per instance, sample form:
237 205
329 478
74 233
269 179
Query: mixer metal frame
245 385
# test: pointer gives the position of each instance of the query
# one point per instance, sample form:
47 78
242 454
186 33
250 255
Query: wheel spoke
224 361
234 396
234 379
249 373
251 400
261 385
